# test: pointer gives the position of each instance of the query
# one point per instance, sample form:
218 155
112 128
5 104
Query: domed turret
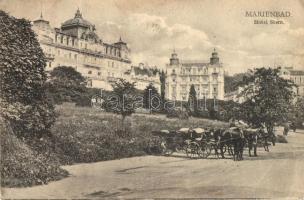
76 21
174 59
77 26
214 58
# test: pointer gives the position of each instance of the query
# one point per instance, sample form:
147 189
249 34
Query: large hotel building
77 44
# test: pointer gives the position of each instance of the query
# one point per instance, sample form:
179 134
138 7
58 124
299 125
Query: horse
264 137
234 137
251 137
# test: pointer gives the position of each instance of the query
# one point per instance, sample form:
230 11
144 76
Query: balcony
49 56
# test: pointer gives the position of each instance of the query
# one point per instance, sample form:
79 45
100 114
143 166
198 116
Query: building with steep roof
207 78
77 44
296 76
143 76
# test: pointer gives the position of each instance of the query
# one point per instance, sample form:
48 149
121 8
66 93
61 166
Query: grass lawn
88 135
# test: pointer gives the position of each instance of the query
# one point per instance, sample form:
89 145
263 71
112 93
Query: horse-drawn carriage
199 143
196 143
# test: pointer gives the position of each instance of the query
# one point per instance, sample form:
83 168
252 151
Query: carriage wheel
205 150
224 148
192 150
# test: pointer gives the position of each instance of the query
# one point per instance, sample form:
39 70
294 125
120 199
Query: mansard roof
190 63
77 21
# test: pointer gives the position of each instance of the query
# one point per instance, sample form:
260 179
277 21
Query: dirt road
275 174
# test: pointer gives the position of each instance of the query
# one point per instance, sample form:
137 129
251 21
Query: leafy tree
232 82
152 99
192 101
23 101
66 85
121 101
267 98
296 114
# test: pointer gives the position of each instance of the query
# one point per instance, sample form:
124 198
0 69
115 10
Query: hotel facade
76 44
207 78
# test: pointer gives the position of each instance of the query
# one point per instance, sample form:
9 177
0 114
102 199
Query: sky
153 28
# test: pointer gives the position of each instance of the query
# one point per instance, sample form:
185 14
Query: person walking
286 129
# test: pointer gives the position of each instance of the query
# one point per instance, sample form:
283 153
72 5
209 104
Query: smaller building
143 76
296 76
235 96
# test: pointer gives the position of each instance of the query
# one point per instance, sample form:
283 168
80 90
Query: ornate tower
124 50
174 59
77 26
214 58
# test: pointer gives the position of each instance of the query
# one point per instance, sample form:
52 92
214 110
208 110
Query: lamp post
150 102
205 94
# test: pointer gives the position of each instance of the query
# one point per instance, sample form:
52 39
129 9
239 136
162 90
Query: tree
121 101
296 114
267 98
152 99
232 82
66 85
23 101
192 101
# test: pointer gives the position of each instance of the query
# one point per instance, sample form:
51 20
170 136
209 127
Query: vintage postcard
152 99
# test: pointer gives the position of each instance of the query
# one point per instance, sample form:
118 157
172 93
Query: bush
177 113
202 114
25 102
22 166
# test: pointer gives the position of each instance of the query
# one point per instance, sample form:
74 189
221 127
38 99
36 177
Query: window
85 46
98 73
89 72
75 56
112 64
70 55
50 64
205 71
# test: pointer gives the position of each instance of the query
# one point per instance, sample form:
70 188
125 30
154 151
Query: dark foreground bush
21 166
281 139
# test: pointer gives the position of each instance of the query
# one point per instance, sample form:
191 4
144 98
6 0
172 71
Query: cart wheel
205 150
192 150
166 150
224 148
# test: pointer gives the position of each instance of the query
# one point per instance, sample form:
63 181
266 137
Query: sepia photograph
152 99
